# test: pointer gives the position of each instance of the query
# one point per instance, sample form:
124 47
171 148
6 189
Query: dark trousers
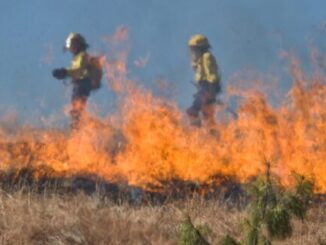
206 95
80 92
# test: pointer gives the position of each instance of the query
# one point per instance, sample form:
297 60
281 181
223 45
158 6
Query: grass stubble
51 218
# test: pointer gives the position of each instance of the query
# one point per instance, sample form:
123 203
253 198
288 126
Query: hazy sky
243 33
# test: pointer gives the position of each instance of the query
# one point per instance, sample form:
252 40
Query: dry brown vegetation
30 218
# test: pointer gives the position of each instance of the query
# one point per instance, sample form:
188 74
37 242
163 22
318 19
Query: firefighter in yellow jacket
79 74
207 80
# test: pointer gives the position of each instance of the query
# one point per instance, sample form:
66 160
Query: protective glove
60 73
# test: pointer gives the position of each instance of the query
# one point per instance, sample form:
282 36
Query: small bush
227 240
188 234
272 206
278 223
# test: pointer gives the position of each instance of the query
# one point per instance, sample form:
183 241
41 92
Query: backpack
96 71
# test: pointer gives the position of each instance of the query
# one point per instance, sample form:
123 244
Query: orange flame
150 140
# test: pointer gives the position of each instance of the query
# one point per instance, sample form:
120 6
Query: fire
149 138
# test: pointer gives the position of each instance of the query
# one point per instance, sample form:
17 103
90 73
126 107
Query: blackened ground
44 179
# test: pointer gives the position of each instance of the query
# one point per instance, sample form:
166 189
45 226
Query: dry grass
80 219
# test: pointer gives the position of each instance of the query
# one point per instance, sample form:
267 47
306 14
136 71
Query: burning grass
143 166
148 143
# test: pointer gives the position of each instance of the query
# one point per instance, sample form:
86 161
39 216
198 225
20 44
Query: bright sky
243 33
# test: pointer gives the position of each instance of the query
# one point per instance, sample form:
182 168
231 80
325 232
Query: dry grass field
30 218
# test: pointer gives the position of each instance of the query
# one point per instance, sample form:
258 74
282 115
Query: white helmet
68 40
75 38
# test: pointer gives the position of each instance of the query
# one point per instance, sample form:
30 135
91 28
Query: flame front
149 138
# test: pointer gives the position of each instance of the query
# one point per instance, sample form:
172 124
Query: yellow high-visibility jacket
206 69
79 68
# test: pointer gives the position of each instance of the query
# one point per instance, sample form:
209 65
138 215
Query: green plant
188 234
227 240
272 207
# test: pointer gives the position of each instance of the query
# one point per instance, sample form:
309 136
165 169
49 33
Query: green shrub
227 240
278 223
271 209
188 234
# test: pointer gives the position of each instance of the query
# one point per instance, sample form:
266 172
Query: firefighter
207 81
78 72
